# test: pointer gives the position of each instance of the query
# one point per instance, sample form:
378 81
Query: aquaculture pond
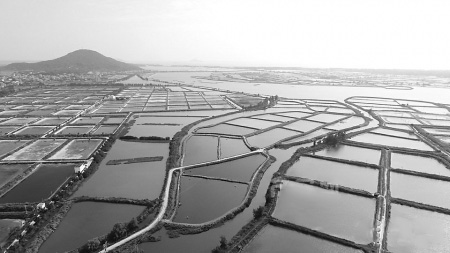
7 146
36 150
377 139
253 123
309 136
10 171
231 147
87 220
394 133
240 169
18 121
346 123
303 125
105 130
50 121
412 230
40 184
136 180
327 117
273 117
75 130
5 130
204 200
419 163
226 129
420 189
200 149
159 126
275 239
113 120
270 137
352 153
87 121
339 214
337 173
34 130
77 149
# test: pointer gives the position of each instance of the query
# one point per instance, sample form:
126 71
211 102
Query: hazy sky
312 33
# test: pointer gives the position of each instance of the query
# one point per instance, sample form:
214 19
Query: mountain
79 61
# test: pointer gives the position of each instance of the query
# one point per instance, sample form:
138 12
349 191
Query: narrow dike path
380 222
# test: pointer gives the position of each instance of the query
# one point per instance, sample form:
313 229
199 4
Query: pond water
438 131
352 153
273 117
231 147
340 214
200 149
275 239
420 189
270 137
240 169
305 137
303 125
77 149
391 141
10 171
36 150
50 121
87 220
394 133
253 123
7 146
203 200
87 121
226 129
346 123
105 129
75 130
413 230
297 115
352 176
33 188
418 163
136 180
34 130
327 117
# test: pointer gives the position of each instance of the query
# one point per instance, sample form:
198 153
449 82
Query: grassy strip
135 160
115 200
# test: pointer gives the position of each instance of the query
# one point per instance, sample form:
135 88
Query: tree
258 212
132 225
223 242
119 230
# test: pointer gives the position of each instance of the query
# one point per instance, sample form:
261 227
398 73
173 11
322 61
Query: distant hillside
79 61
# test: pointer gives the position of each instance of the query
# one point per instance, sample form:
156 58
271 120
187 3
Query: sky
401 34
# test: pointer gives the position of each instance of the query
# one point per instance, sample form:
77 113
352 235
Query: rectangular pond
270 137
240 169
413 230
203 200
200 149
85 221
417 163
136 180
339 214
352 153
7 146
377 139
77 149
10 171
275 239
253 123
420 189
231 147
40 184
337 173
36 150
303 125
75 130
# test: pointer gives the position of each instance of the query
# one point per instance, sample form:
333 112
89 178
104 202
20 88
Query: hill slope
79 61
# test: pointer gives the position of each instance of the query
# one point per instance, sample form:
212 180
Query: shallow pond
136 180
7 146
413 230
273 117
226 129
337 173
40 184
346 123
10 171
394 133
36 150
77 149
377 139
275 239
34 130
297 115
240 169
203 200
352 153
200 149
303 125
418 163
87 220
327 117
420 189
305 137
74 130
231 147
270 137
340 214
253 123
